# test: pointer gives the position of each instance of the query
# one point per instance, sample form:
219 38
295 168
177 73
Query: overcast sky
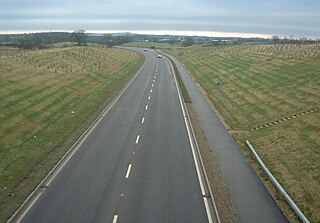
282 17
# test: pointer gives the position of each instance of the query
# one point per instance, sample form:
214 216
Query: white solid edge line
128 171
115 219
30 206
193 151
137 139
91 128
62 162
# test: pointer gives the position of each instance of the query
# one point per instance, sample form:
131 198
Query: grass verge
262 84
47 99
183 89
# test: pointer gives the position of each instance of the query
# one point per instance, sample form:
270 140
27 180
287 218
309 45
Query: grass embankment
47 99
182 87
262 84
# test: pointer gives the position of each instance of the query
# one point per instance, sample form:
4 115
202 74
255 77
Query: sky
297 18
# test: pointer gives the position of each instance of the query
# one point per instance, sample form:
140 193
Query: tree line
302 40
43 40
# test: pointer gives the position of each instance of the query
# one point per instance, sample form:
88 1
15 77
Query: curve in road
136 164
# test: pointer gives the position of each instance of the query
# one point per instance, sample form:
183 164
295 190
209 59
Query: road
136 165
251 200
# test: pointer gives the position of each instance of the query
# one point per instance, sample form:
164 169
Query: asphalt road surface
135 166
251 200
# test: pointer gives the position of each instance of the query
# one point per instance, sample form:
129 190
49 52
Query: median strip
183 89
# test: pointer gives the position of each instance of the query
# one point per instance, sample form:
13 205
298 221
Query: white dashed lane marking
128 171
115 219
137 139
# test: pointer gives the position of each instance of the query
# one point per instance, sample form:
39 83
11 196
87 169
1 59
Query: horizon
154 32
215 18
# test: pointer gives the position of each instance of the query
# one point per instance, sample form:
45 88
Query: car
159 56
145 50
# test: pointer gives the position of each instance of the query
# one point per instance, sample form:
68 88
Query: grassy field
262 84
47 99
149 44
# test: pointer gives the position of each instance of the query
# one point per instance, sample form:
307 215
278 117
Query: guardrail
293 205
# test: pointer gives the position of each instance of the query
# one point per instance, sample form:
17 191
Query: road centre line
142 121
146 107
128 171
29 202
151 90
149 97
115 219
153 80
152 85
137 139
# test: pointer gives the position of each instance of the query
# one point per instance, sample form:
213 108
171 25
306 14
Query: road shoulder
221 195
241 181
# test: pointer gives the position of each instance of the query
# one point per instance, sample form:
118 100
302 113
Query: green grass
149 44
261 84
183 89
47 99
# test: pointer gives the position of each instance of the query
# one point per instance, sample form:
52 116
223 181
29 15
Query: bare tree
275 39
108 40
79 36
172 41
188 41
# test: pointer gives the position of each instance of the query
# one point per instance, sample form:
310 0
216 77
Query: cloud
286 17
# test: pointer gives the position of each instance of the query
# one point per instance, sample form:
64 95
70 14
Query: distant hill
42 39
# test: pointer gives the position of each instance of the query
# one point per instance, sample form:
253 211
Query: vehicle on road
159 56
145 50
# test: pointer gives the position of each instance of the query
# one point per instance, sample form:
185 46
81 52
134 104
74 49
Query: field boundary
276 184
45 182
278 121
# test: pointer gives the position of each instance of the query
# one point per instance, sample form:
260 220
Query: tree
79 36
108 40
119 40
275 39
172 41
31 41
188 41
